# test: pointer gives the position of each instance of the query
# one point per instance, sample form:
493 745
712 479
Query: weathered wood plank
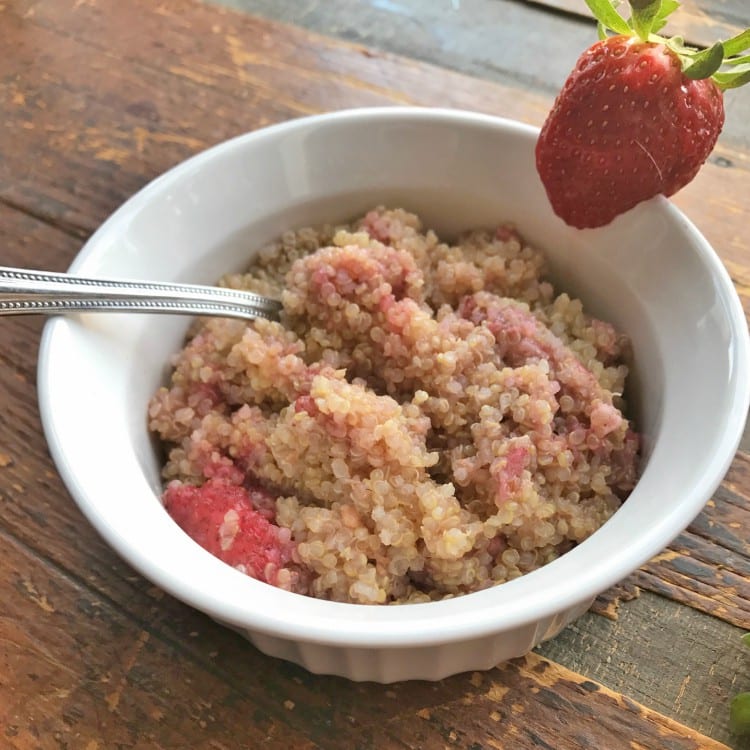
607 604
708 566
700 22
71 687
77 672
132 127
528 702
673 659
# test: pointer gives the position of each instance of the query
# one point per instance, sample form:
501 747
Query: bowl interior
649 272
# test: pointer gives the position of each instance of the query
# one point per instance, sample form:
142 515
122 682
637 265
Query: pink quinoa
426 420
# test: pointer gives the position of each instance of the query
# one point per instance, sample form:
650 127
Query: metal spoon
24 292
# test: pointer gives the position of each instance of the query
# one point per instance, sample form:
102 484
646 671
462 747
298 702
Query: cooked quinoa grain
427 419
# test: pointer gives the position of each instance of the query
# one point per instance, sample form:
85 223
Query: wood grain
674 659
607 604
71 688
708 566
111 682
530 700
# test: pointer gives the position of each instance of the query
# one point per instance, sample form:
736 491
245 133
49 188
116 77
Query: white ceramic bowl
650 272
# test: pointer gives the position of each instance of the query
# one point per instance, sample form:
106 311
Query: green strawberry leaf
667 7
732 79
737 44
739 713
746 639
705 63
741 60
643 16
604 12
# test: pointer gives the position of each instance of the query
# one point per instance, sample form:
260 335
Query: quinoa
426 420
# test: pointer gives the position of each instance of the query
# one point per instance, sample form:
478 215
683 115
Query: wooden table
100 96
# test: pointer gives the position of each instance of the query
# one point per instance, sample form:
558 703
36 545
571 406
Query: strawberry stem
649 16
644 15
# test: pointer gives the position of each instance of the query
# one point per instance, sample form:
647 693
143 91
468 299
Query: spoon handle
24 291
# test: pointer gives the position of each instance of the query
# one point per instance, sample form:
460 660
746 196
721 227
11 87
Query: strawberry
637 117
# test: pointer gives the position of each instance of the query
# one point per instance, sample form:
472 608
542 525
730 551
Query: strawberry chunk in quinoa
224 519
